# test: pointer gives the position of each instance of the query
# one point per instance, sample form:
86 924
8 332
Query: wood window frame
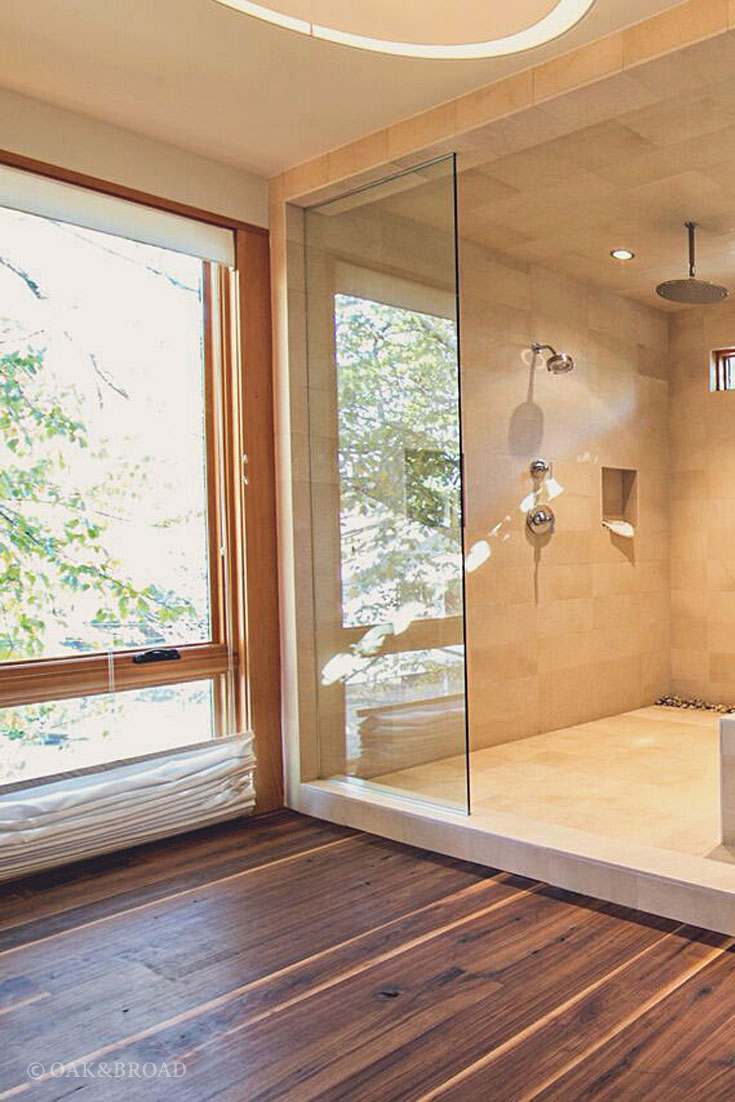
722 368
245 642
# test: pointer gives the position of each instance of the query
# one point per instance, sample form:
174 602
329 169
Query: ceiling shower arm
691 227
692 291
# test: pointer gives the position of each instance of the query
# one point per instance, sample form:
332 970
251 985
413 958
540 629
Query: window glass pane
398 463
729 364
39 740
103 503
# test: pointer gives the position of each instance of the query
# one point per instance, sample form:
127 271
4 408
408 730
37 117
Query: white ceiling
227 86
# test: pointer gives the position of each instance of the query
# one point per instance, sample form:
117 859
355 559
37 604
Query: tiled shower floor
650 776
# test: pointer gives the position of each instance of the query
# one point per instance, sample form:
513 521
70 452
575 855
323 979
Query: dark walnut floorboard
70 896
283 957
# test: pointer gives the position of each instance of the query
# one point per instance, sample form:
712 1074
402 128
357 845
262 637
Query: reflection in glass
386 491
398 461
403 709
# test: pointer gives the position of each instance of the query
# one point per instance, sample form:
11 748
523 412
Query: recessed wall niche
620 495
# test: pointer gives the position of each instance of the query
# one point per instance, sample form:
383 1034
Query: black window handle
161 655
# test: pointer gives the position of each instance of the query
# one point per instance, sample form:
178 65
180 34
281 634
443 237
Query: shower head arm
558 363
691 227
692 291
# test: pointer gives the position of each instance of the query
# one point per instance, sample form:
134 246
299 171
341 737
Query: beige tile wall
576 626
586 85
298 714
559 632
702 426
514 115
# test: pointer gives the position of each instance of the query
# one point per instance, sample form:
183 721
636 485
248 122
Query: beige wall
587 84
573 627
559 631
73 141
702 509
591 84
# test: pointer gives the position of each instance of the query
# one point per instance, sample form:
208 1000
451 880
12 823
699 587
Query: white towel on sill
83 816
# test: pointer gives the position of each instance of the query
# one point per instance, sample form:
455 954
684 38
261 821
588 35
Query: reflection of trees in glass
431 483
399 461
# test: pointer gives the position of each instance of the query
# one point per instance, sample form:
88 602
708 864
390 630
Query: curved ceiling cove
424 28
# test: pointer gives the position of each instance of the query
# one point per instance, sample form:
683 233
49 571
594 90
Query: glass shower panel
386 475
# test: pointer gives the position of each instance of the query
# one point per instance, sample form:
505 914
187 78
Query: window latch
166 654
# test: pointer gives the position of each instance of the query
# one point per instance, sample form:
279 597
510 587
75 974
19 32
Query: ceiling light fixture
622 254
563 16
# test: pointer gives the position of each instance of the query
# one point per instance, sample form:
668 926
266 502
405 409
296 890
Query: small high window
722 367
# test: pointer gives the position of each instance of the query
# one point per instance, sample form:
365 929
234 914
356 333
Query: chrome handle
541 520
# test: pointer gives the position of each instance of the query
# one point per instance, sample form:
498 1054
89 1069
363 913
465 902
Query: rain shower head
692 291
558 363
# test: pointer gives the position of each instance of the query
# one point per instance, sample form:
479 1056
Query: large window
117 548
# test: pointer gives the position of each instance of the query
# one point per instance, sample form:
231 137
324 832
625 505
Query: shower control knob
541 520
539 468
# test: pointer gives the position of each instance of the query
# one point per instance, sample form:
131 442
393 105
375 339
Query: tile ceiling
656 150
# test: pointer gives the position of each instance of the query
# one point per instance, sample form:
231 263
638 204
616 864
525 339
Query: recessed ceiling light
287 13
622 254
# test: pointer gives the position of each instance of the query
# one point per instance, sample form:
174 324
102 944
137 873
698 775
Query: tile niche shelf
619 496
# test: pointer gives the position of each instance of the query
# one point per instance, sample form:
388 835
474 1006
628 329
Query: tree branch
29 282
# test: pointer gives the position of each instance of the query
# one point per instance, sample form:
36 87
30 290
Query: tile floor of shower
650 776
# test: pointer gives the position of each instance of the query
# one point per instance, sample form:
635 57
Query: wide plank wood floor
286 958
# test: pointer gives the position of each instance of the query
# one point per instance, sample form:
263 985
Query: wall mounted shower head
692 291
558 362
